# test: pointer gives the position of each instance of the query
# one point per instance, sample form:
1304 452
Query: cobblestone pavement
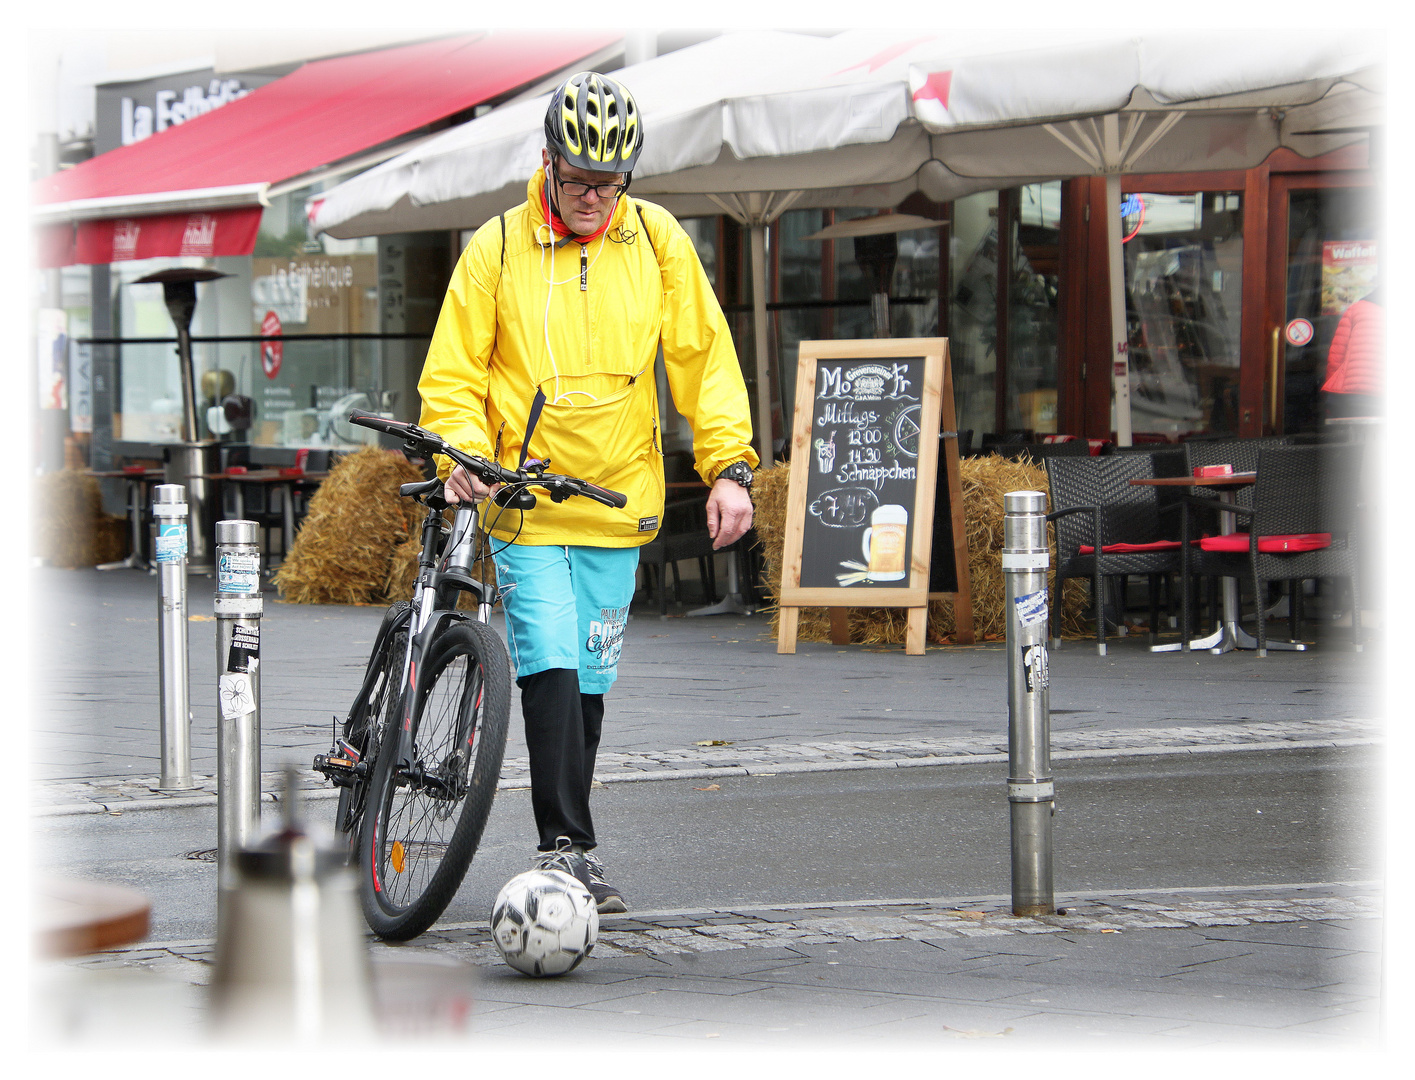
105 796
1291 965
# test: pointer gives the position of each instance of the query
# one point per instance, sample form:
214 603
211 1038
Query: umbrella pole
1120 358
759 328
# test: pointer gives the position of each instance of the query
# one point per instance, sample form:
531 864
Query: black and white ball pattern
544 922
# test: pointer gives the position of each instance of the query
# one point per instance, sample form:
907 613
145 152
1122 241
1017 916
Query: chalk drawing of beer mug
883 542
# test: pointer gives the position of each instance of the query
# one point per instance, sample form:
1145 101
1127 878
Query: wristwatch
739 472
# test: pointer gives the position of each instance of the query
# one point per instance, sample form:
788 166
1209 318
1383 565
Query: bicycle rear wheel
370 718
423 822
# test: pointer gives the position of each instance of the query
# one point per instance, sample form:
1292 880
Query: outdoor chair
1300 524
1242 454
684 535
1039 452
1105 528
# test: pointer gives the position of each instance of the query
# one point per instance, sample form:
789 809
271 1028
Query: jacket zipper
585 289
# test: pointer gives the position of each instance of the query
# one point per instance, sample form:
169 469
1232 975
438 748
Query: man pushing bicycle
545 349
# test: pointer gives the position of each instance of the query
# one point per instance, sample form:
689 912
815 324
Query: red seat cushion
1269 544
1130 549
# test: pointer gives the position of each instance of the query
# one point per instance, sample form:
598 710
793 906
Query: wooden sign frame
937 408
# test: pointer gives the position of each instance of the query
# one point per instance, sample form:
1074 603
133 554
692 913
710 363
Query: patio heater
876 255
189 461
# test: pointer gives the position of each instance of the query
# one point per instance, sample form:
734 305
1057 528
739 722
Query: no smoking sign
1299 332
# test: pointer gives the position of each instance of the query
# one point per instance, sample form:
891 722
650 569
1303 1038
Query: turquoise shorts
566 607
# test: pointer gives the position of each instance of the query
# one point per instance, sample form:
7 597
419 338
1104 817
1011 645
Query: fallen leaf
713 742
970 914
974 1033
1108 931
710 787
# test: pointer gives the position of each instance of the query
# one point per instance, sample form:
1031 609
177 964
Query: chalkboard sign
861 519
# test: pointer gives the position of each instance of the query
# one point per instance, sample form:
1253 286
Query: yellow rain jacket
584 323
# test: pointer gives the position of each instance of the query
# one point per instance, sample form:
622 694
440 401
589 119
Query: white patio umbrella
754 123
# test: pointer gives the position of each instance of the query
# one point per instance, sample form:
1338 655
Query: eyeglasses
578 190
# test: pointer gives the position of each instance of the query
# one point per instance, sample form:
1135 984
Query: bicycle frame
428 620
424 620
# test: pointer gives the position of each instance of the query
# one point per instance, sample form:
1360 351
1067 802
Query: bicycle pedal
341 770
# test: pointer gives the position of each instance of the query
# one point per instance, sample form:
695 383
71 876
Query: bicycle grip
378 423
604 495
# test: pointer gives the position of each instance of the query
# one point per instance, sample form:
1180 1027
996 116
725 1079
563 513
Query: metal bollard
238 611
1029 782
169 544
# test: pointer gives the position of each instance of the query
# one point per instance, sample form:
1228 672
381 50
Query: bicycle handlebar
426 442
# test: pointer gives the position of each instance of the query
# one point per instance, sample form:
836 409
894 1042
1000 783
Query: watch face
739 471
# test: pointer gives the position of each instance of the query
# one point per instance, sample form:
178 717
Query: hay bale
70 528
985 481
343 552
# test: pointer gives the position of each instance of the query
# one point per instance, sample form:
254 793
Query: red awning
320 114
221 232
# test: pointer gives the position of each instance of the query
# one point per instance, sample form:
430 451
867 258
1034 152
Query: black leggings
562 736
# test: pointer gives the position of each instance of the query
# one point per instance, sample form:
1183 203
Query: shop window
973 339
1184 286
1032 331
1333 260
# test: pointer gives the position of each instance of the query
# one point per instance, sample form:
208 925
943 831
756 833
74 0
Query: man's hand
729 513
462 486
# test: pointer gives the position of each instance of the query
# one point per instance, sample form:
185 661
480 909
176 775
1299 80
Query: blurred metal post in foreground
291 961
1029 782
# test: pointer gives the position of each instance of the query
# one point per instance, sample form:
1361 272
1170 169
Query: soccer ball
544 922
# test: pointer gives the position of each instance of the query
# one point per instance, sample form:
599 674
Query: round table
73 917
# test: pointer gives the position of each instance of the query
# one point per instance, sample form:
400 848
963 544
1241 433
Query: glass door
1330 257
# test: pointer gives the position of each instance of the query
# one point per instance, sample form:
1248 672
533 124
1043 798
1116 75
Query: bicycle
419 753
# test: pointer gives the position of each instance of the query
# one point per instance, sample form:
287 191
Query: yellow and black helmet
593 123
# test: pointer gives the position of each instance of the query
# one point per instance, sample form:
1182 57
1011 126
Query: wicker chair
1095 507
1300 492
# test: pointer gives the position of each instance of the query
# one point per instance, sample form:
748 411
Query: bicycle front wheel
426 813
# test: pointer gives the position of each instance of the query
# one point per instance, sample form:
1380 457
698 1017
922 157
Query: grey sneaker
565 858
608 899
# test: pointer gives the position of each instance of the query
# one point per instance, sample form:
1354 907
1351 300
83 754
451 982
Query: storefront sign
129 112
1299 332
81 387
272 353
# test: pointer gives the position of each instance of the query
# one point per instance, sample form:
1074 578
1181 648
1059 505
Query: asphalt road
1249 818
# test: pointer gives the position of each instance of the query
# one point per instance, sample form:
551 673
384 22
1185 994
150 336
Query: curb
764 769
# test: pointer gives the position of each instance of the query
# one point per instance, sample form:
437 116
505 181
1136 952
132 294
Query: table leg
1225 638
287 514
732 603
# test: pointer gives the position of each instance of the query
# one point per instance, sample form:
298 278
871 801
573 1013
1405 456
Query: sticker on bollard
238 572
244 655
1031 608
172 542
237 697
1034 664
